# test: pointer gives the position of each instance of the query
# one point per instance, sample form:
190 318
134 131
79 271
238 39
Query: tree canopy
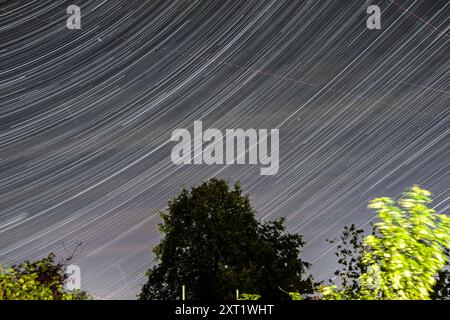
213 245
404 257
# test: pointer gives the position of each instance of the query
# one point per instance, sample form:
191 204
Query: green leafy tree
349 251
214 245
405 254
43 279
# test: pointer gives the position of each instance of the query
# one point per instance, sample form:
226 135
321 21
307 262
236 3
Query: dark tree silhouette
214 245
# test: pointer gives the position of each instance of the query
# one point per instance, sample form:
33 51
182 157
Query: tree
214 245
14 286
43 279
405 254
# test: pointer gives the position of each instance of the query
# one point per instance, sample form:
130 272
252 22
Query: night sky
86 118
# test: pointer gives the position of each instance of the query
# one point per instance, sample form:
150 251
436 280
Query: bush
43 279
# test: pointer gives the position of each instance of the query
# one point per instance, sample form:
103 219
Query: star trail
86 118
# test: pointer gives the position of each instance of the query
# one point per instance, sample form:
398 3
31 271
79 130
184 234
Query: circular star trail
86 118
